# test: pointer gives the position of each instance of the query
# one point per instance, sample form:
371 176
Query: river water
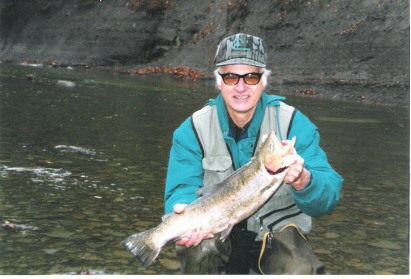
82 168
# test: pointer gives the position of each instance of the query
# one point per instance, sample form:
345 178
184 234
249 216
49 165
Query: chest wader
288 252
213 256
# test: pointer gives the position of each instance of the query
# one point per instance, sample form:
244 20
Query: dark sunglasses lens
252 79
230 79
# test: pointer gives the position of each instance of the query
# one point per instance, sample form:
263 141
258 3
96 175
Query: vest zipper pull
261 224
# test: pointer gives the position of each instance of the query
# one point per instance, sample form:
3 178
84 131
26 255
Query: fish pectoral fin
268 186
226 232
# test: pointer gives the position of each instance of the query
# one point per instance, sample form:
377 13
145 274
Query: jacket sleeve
321 196
185 171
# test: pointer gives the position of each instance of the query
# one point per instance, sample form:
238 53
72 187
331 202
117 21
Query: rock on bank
309 42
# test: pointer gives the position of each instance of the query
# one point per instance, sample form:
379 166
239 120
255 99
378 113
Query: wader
243 246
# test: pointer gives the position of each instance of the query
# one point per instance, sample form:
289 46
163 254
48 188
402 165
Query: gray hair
219 79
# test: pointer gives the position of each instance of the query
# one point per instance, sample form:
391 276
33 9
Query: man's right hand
196 238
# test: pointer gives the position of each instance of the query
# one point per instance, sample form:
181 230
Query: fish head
277 157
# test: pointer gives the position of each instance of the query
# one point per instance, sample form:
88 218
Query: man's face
241 98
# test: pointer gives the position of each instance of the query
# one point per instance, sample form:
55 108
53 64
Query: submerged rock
72 148
66 83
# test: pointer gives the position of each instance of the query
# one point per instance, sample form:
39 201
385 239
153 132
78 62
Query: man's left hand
298 176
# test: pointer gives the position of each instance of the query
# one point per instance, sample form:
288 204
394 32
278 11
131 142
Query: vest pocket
216 168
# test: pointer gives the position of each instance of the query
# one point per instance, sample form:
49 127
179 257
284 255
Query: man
240 116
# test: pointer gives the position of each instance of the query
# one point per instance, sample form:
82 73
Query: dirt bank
311 44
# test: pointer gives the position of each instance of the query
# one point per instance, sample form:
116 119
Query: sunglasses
233 79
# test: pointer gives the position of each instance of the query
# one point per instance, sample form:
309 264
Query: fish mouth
278 171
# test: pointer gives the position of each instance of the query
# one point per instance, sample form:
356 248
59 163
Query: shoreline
374 93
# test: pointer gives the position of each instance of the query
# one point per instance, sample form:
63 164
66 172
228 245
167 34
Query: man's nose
241 85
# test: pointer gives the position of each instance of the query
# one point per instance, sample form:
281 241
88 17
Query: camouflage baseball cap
241 49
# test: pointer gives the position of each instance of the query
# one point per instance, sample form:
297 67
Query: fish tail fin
138 246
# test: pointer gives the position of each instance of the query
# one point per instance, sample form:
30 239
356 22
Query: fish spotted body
221 205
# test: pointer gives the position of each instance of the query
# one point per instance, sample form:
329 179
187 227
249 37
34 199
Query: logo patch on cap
237 44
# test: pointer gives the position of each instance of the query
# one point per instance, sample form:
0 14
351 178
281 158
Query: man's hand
196 238
298 176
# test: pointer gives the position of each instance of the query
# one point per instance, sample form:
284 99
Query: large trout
222 205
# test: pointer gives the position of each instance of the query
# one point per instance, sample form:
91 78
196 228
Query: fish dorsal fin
166 216
204 191
201 191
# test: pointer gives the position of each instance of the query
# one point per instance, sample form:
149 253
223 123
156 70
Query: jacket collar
265 100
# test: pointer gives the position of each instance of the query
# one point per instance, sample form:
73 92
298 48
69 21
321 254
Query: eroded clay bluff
359 42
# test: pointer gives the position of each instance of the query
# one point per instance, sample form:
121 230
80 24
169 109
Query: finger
293 173
299 161
179 208
201 236
182 241
209 236
195 239
199 239
290 177
189 242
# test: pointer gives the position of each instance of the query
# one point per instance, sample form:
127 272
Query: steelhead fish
222 205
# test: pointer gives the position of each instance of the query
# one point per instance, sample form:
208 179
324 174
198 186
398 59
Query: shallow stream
83 167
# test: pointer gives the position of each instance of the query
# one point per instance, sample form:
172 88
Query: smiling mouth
241 97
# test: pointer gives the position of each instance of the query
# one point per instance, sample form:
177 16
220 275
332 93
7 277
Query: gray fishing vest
280 209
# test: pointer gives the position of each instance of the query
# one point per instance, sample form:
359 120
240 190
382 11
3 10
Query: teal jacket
185 171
